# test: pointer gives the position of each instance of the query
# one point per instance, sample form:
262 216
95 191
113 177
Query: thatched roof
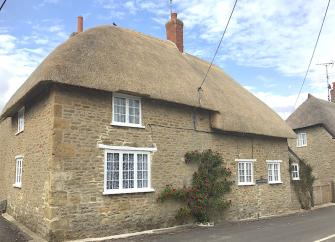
312 112
114 59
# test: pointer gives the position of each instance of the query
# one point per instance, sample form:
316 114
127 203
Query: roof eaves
317 124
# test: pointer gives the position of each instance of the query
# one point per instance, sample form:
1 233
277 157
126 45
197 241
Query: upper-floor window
245 172
18 171
127 170
274 171
20 120
301 139
295 171
126 110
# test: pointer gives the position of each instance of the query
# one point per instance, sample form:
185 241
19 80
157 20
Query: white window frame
250 161
272 162
20 116
18 171
127 123
301 139
127 150
297 177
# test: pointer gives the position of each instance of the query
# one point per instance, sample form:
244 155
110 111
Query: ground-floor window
18 171
245 172
127 170
274 171
295 171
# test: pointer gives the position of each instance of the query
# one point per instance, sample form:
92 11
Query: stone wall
4 126
28 204
82 120
319 153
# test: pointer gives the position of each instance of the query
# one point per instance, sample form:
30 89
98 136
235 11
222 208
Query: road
10 233
317 225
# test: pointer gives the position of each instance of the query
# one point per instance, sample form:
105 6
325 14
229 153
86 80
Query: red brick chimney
80 24
332 93
174 31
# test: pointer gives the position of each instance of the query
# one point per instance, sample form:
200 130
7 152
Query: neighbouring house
102 126
314 124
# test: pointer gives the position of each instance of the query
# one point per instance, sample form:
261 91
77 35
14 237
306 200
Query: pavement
312 226
11 233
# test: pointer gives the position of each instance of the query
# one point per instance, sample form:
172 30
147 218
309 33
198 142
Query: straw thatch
114 59
312 112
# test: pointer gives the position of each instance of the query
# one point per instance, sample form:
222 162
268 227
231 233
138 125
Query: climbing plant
205 196
304 186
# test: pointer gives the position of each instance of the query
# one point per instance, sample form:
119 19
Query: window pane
128 171
244 171
134 111
270 171
20 120
119 109
276 172
142 172
112 171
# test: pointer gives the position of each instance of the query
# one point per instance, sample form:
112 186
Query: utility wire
3 4
310 62
217 49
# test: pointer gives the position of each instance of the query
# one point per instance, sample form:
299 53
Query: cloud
266 34
283 104
18 60
119 9
45 2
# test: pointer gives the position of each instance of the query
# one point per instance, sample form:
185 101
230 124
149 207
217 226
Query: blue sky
266 49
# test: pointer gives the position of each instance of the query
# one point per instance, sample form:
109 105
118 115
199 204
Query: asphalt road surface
314 226
10 233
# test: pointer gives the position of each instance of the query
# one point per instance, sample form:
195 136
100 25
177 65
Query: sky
266 49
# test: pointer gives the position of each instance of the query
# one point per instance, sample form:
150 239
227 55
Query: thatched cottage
103 124
314 124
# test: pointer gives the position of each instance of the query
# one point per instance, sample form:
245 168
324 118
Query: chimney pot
80 25
174 31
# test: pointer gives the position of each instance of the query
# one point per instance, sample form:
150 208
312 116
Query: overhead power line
3 3
310 62
217 49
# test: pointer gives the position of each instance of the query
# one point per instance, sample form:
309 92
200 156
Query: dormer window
301 139
126 110
20 120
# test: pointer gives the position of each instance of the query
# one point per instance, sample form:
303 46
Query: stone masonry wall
78 209
28 204
4 126
319 153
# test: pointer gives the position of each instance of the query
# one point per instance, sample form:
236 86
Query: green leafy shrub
205 197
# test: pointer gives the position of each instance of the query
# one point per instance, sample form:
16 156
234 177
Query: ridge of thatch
110 58
314 111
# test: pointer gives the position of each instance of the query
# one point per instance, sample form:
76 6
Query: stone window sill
126 191
19 132
17 186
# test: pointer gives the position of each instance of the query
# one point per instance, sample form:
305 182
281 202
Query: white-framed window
20 120
274 171
245 171
18 171
301 139
295 171
126 110
127 169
